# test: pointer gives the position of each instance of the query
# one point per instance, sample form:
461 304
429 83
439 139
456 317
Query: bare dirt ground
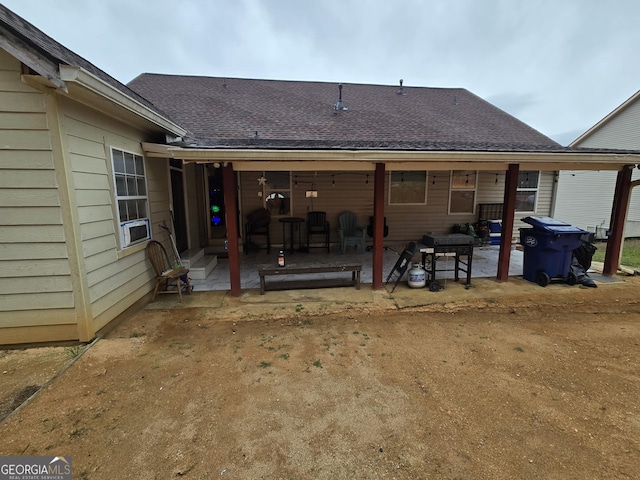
543 385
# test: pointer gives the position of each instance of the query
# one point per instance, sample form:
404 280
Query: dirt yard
529 386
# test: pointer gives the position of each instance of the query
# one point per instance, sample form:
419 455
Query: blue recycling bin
548 247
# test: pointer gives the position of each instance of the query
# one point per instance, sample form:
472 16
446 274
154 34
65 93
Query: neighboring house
575 201
90 169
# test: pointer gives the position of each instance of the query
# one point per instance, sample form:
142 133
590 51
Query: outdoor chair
385 231
401 265
166 274
257 225
317 225
350 232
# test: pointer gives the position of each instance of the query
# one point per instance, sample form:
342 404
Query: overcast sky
558 65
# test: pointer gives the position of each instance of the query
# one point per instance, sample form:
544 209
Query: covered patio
463 149
484 265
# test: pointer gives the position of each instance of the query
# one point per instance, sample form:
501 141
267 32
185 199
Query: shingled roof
234 112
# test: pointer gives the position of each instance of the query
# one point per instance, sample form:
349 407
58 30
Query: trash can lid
551 225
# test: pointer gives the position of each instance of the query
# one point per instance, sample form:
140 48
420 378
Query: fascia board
85 79
31 58
406 160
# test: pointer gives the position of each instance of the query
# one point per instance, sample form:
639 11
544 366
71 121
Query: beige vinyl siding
116 278
545 194
193 212
588 211
158 191
571 198
490 191
620 131
406 222
36 298
350 193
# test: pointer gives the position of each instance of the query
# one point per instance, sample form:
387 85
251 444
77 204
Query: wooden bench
294 269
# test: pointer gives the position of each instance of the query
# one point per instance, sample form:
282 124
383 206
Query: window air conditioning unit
135 231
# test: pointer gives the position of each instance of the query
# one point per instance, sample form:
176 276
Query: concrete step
191 256
203 267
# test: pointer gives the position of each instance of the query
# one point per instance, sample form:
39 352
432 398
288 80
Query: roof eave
344 159
31 57
73 75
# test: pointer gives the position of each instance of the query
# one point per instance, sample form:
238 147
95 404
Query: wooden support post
231 219
378 225
618 218
508 213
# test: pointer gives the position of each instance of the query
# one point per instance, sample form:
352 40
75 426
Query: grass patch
317 364
264 364
519 349
74 351
630 252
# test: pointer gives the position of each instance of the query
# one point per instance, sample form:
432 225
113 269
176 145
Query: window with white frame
527 192
131 197
462 194
408 188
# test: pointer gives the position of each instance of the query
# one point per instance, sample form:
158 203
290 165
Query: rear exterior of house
296 118
584 198
90 170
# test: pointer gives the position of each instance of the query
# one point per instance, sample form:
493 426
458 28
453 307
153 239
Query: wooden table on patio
300 269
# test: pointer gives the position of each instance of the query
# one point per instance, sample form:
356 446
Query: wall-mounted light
313 193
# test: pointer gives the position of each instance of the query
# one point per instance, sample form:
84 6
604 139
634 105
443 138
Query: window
527 193
277 193
462 196
408 188
131 197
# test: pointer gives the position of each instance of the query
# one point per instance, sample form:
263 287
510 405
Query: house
90 169
63 124
574 201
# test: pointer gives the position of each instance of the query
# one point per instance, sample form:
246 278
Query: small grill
458 244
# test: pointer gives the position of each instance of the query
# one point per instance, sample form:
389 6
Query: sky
558 65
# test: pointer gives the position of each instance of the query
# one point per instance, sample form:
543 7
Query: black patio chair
317 224
257 224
